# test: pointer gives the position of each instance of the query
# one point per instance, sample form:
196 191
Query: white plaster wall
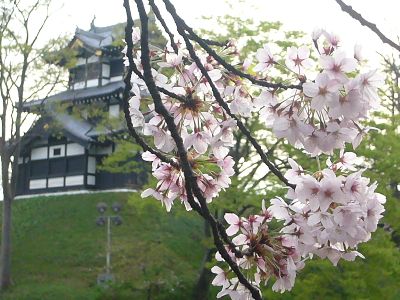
116 78
82 61
75 149
91 164
105 70
93 59
79 85
55 182
91 180
113 110
74 180
92 82
39 153
37 184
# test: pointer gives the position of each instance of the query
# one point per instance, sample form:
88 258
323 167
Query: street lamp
107 220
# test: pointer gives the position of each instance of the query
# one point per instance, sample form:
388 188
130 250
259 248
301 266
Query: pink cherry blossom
221 279
234 222
329 212
298 59
172 60
320 91
265 58
199 141
338 65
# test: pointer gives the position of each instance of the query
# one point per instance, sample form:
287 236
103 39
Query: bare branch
128 86
191 186
357 16
164 25
205 45
41 26
218 97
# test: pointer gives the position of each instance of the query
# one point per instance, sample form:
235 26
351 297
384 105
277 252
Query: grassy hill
58 250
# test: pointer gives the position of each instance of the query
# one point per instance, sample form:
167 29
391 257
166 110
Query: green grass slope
58 250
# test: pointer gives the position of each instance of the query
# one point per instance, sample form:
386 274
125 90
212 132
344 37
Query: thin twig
357 16
164 25
218 97
204 44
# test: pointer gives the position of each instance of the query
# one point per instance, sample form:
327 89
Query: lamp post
107 220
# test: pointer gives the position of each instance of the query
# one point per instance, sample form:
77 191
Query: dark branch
218 97
128 87
164 25
190 178
204 44
355 15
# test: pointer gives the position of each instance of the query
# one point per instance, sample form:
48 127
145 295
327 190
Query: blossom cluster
328 214
205 128
320 118
326 113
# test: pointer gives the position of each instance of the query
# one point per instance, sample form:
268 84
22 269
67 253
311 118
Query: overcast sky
302 15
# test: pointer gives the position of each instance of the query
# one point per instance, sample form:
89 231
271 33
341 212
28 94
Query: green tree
24 74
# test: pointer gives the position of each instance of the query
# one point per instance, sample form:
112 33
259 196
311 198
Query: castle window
56 151
116 68
85 75
79 73
93 71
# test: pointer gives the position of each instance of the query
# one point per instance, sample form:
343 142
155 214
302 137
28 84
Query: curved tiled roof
80 94
99 37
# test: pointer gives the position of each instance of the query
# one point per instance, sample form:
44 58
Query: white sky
304 15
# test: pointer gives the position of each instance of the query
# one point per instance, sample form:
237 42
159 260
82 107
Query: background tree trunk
205 276
5 268
203 282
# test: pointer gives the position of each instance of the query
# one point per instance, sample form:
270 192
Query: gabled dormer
99 59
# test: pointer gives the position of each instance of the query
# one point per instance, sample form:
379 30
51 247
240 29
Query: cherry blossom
265 58
326 212
221 278
320 91
330 213
337 65
298 59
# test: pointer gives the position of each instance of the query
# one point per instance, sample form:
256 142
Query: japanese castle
61 151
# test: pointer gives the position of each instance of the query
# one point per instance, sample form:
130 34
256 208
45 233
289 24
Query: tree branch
192 189
204 44
357 16
128 86
164 25
218 97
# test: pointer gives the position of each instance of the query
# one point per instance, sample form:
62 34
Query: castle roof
97 38
79 95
